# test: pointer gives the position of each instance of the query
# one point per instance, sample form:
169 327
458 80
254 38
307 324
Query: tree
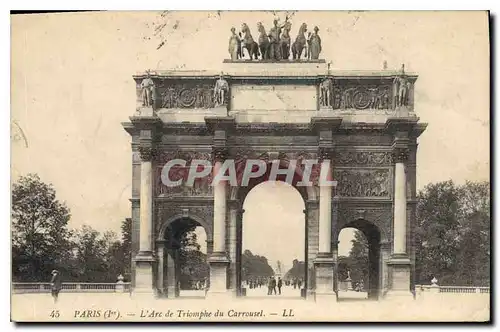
297 271
358 258
40 237
91 255
452 235
255 266
344 264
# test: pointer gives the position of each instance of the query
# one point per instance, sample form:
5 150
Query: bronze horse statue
300 42
248 42
263 41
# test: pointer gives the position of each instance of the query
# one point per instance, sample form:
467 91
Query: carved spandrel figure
147 91
234 44
220 91
315 44
326 92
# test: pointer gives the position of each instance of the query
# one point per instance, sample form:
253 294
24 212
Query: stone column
171 274
324 262
385 255
144 260
160 245
399 263
400 156
219 259
232 243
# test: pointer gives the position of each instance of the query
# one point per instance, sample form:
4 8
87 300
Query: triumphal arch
362 122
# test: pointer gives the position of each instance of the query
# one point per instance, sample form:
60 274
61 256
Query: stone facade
370 139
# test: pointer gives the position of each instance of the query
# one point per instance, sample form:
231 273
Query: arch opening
272 241
185 252
359 261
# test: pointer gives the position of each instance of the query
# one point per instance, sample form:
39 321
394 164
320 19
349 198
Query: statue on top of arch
275 45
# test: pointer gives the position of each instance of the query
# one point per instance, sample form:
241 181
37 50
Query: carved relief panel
170 93
363 182
361 97
201 186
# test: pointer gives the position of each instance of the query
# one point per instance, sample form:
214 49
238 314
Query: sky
72 86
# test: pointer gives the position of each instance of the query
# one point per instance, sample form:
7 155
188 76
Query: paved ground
287 307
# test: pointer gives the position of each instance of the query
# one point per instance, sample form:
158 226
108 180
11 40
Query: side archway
373 235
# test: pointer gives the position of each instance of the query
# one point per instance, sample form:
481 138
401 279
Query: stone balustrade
71 287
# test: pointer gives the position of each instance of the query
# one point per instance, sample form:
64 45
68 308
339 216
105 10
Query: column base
399 272
323 265
219 263
144 282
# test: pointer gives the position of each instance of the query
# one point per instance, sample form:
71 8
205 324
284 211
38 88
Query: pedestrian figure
55 284
280 284
270 286
273 285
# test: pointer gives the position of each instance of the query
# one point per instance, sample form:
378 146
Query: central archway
291 266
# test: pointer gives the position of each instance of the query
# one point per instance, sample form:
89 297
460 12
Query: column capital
325 153
147 152
219 153
400 154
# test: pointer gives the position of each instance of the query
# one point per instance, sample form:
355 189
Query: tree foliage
40 236
358 258
297 271
452 236
254 266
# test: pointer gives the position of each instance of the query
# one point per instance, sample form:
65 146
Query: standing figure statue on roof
401 88
285 40
147 91
274 41
220 92
326 88
234 45
315 44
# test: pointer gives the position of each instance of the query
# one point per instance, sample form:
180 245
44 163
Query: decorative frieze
363 158
362 97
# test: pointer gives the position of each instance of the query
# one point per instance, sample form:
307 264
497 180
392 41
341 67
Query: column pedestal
324 265
219 264
144 282
399 271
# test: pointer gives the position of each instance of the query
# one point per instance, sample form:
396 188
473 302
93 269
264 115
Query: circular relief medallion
187 98
361 99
